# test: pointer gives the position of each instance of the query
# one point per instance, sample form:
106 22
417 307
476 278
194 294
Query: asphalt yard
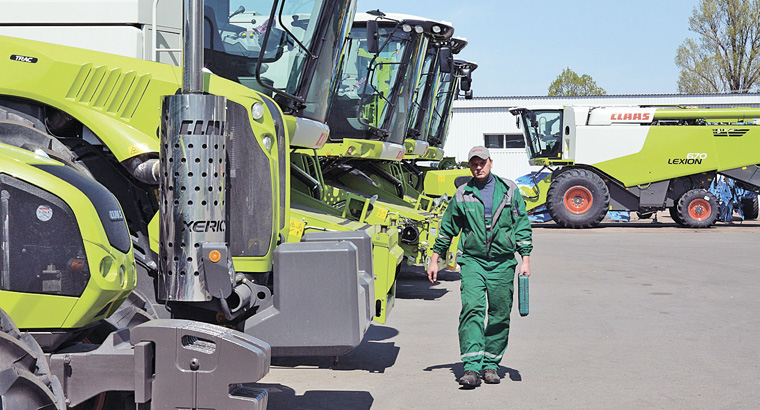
626 316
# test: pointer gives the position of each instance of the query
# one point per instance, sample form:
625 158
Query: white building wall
472 119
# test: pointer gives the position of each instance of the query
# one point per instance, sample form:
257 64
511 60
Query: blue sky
628 47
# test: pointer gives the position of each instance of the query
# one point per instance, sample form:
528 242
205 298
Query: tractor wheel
750 207
697 208
578 198
25 378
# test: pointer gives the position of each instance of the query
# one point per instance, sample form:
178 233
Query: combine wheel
750 207
674 214
25 378
578 198
697 208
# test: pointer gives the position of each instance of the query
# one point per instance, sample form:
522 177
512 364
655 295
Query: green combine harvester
638 158
368 119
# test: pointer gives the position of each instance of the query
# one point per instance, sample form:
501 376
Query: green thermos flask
522 294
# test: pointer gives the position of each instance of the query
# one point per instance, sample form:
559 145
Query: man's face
480 168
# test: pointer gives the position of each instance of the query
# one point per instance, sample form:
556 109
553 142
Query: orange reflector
214 256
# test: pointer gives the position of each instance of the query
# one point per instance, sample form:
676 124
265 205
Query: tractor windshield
374 91
542 130
285 47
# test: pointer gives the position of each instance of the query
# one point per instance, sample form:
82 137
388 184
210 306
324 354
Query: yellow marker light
214 256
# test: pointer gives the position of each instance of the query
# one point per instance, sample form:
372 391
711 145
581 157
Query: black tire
578 198
25 378
674 214
697 208
644 215
750 207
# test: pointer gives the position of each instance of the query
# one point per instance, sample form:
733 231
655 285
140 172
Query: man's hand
432 270
525 267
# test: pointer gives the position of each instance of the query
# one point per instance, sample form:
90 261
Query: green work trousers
486 286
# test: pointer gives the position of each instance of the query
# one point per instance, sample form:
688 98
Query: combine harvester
313 297
640 158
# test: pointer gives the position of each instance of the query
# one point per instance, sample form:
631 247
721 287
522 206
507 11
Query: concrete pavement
626 316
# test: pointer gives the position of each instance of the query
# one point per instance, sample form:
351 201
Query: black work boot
491 377
470 379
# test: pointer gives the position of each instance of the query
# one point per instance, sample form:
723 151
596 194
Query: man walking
490 214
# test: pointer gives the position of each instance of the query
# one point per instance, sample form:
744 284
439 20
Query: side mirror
468 95
373 46
466 82
445 56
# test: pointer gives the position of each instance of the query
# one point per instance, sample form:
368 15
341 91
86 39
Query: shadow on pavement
371 355
284 398
413 283
457 370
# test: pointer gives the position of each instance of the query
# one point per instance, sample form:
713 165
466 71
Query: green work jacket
510 230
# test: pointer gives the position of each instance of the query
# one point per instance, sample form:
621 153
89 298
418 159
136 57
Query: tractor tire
578 198
750 207
25 378
697 208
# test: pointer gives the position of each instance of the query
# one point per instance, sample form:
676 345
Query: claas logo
631 116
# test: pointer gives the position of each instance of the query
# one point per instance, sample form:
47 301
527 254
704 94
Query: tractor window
42 248
234 34
543 132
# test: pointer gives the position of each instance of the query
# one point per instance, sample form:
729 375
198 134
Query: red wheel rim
699 209
578 200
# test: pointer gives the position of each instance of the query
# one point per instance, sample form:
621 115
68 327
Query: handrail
154 34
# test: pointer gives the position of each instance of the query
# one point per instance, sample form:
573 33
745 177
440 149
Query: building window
504 140
514 141
494 141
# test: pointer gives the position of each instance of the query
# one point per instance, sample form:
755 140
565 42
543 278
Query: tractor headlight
418 29
122 276
407 28
436 29
267 141
257 111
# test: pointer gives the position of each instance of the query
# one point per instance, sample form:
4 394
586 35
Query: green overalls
487 267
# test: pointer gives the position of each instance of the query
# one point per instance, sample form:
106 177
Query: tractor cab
285 49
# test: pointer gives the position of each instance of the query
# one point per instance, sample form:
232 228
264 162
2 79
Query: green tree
570 83
725 56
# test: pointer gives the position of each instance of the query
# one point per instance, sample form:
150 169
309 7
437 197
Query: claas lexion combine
639 158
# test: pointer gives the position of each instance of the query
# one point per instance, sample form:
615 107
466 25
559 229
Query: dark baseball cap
479 151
